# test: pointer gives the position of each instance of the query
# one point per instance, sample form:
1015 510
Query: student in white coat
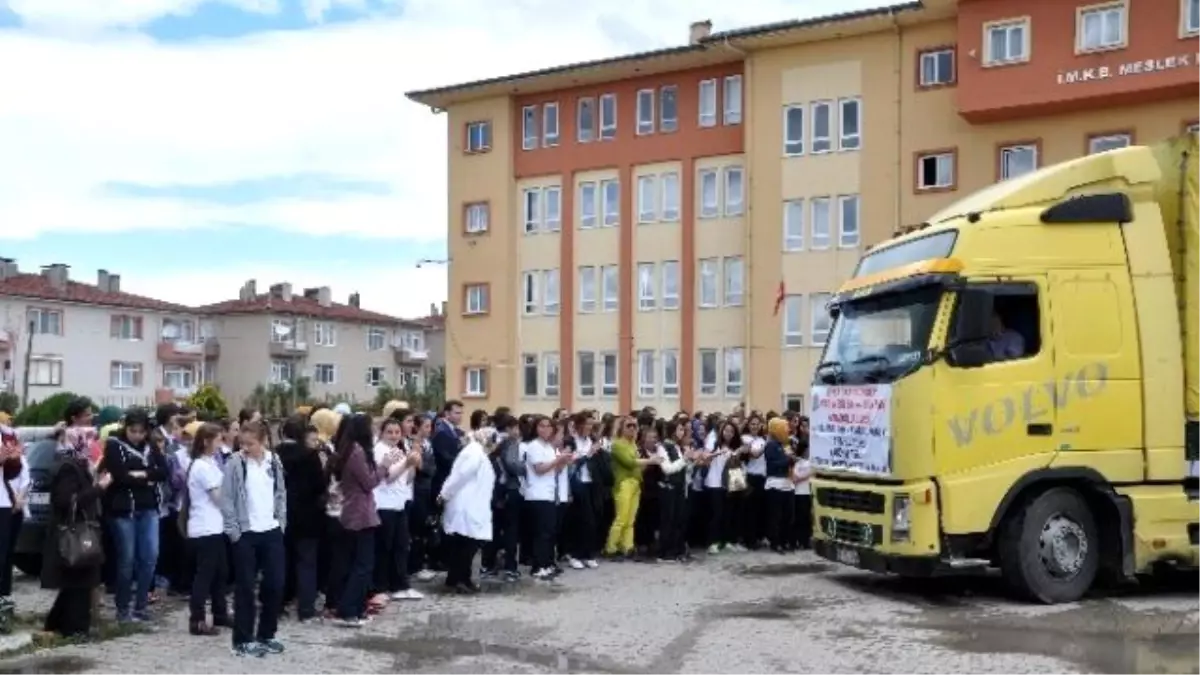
466 497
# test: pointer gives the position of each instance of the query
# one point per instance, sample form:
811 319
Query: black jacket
129 494
70 485
423 478
305 482
777 460
508 465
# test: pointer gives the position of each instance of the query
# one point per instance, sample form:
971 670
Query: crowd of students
344 507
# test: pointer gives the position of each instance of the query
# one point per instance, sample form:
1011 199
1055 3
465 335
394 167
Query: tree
208 399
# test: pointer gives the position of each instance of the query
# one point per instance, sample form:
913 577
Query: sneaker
426 575
142 615
356 622
544 574
272 646
575 564
591 564
249 649
127 617
738 548
409 594
512 577
714 549
488 574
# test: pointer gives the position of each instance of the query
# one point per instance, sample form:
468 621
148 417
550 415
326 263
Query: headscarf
5 419
342 408
392 406
108 415
326 421
777 429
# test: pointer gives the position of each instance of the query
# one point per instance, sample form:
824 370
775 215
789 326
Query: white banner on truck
850 428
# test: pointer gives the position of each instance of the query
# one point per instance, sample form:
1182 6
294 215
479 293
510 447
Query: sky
191 145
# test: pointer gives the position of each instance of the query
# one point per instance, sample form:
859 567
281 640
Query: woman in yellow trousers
627 487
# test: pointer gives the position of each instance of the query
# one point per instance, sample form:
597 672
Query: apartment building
122 349
665 228
280 336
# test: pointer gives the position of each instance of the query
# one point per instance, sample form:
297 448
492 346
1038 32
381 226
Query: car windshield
880 339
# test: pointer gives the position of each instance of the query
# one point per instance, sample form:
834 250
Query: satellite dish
282 330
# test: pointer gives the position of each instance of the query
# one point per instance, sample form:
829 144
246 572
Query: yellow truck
1013 383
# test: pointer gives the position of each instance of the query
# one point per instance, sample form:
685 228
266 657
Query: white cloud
90 15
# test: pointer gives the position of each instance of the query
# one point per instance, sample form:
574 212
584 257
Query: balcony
212 348
289 350
179 351
406 355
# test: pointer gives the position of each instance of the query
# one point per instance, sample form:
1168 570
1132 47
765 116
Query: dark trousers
302 569
506 530
803 525
460 553
583 517
208 583
391 552
735 516
341 551
561 546
672 522
780 514
419 511
353 603
71 614
544 517
715 498
756 520
8 538
256 553
173 558
525 533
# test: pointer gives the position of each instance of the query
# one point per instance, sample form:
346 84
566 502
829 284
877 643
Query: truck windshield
880 339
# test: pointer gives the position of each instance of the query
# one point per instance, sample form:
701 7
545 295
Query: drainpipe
747 255
896 207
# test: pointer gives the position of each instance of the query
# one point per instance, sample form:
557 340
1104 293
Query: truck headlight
901 520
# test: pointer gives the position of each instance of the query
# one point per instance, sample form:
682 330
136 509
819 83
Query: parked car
39 456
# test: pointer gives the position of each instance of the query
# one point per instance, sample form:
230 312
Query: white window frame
479 136
609 388
588 301
793 225
648 198
551 292
1006 26
45 321
731 109
477 299
608 127
530 131
325 373
550 114
820 141
377 332
708 278
937 157
795 136
646 364
585 133
670 284
1008 151
793 320
645 112
668 123
735 200
475 381
820 229
709 209
283 337
551 375
708 389
531 209
1094 140
477 218
733 272
933 57
849 237
586 390
668 362
1189 18
552 218
1106 11
734 372
184 376
610 287
668 184
45 371
282 371
129 328
818 314
325 334
370 376
531 293
588 221
531 374
849 142
610 209
706 104
124 375
647 285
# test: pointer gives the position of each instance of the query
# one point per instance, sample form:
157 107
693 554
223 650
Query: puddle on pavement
776 609
416 652
55 665
785 569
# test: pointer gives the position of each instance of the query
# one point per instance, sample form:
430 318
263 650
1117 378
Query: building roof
38 287
432 322
298 306
720 47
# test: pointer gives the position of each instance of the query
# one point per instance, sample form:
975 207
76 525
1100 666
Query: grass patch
103 630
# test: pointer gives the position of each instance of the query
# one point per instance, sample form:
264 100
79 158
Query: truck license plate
39 498
848 556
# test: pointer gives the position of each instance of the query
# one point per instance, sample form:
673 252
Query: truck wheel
1050 549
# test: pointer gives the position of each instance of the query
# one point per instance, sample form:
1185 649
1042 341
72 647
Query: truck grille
851 532
851 500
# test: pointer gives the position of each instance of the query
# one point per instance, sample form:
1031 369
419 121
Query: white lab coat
467 494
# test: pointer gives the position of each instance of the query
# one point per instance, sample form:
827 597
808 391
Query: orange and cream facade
665 228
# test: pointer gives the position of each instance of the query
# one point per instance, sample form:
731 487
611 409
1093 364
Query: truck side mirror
972 328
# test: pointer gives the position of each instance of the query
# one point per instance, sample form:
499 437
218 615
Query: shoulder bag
79 541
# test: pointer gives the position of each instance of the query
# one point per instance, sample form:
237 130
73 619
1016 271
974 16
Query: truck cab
1005 385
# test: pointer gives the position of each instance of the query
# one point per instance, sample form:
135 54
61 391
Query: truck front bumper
877 561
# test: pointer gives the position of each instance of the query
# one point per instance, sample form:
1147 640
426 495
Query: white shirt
714 479
802 469
583 446
20 485
204 515
392 495
539 488
756 466
260 493
710 441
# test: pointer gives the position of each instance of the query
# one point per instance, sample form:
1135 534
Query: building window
821 221
414 340
848 221
609 288
1189 18
645 112
709 198
850 123
587 205
670 373
124 327
819 311
936 68
668 109
822 127
670 284
708 282
1100 27
735 281
479 136
608 117
708 103
282 372
1108 141
609 371
179 330
552 375
793 130
793 225
550 292
732 111
587 289
793 403
734 372
325 334
587 374
325 373
585 120
647 199
529 127
708 372
282 331
552 208
935 171
529 293
124 375
475 382
530 377
45 371
45 321
179 378
1006 42
669 182
646 385
376 376
1018 160
646 287
531 207
476 299
376 338
610 208
550 125
735 188
476 218
793 326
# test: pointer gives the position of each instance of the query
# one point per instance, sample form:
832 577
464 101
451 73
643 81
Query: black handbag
79 541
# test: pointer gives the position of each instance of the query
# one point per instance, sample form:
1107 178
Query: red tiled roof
38 287
299 306
432 322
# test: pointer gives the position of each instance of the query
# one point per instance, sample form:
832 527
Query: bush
46 413
9 402
209 401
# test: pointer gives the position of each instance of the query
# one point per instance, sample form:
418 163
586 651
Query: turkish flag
779 295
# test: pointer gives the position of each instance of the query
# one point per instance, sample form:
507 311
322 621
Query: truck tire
1050 548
